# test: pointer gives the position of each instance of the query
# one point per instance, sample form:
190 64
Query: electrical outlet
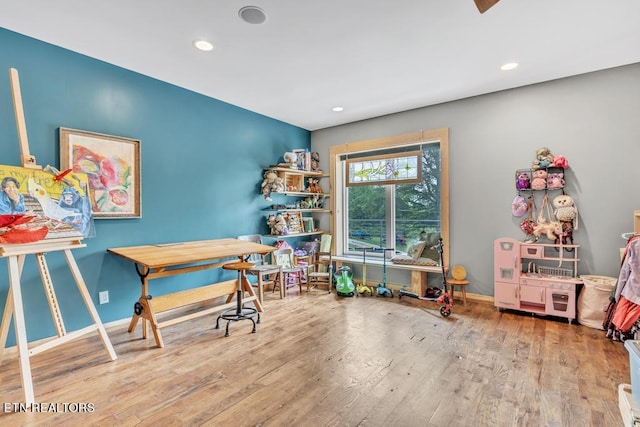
104 297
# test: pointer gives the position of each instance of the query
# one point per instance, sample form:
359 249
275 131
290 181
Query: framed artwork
56 207
300 159
112 166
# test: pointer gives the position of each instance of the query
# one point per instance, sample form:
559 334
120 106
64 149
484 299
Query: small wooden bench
419 280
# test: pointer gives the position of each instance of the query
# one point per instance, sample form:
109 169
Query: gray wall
592 119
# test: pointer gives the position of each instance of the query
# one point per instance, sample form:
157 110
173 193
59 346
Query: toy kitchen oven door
561 299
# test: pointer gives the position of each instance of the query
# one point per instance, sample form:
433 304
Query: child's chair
266 274
458 278
320 268
290 272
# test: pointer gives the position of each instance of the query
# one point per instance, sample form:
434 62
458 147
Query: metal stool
239 313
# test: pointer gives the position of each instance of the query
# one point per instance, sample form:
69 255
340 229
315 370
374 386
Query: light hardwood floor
321 360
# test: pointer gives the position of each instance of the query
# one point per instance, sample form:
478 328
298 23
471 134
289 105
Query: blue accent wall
202 162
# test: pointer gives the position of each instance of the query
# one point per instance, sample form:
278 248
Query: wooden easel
16 254
28 161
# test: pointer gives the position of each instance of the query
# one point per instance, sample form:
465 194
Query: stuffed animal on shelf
555 180
313 186
544 159
271 222
278 224
523 181
290 157
315 162
560 161
539 181
271 183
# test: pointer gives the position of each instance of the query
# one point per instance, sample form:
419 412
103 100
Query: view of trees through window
392 216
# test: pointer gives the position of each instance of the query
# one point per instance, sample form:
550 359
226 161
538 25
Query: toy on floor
382 289
363 288
444 298
344 282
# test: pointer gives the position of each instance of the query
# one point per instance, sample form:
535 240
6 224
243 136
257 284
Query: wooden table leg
144 311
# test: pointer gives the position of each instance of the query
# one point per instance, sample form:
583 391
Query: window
390 214
384 169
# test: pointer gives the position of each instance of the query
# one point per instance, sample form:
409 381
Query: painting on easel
61 204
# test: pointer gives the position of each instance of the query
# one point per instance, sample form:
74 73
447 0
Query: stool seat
237 266
463 288
240 312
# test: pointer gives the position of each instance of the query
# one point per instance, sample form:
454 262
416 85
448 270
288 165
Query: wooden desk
163 260
15 255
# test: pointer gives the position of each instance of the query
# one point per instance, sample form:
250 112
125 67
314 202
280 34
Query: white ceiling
371 57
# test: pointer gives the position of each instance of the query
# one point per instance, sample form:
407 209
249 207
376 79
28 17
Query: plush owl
523 181
567 214
566 210
555 180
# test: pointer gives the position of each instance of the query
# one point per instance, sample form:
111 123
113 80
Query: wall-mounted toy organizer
547 211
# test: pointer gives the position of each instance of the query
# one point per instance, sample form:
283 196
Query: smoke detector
252 15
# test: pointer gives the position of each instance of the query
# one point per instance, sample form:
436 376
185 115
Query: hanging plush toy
555 180
567 213
523 181
539 180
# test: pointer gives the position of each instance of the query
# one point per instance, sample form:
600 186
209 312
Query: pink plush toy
539 181
560 161
555 180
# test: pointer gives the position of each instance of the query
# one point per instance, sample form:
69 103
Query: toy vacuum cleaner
431 293
344 282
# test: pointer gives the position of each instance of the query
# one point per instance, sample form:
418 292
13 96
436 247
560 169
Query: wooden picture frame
308 224
112 164
294 222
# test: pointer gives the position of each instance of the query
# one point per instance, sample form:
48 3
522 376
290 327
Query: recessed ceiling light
252 15
337 109
509 66
203 45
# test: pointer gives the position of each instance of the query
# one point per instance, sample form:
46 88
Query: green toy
344 282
